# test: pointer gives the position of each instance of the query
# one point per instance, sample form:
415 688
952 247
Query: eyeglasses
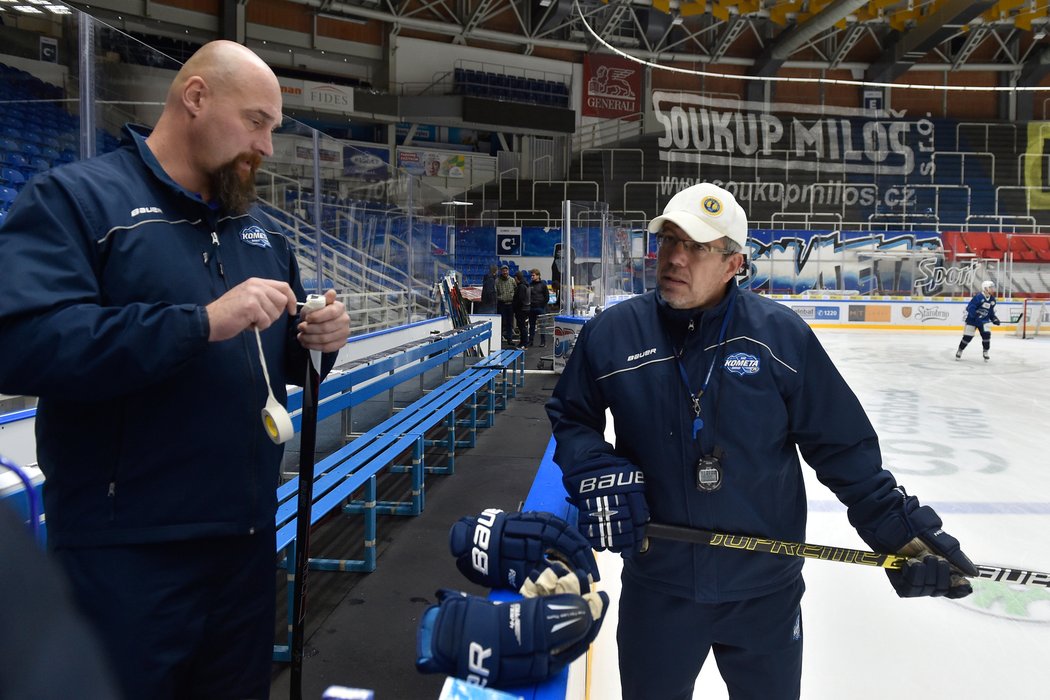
668 241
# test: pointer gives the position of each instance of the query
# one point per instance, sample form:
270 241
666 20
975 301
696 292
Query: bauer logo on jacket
253 235
741 363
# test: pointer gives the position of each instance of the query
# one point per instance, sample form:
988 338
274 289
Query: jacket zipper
218 259
252 483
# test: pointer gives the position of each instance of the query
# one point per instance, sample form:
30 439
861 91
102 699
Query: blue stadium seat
15 160
12 177
7 195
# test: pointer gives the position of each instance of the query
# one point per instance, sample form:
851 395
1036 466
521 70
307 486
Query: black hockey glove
996 321
936 565
498 549
506 644
612 506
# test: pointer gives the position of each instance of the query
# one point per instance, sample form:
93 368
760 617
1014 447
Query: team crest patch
253 235
712 205
741 363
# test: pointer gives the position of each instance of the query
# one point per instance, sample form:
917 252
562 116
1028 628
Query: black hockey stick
307 441
770 546
824 552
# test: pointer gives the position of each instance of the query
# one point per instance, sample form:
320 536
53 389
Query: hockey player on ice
979 312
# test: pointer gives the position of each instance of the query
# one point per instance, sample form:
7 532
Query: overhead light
677 19
458 203
1040 35
545 3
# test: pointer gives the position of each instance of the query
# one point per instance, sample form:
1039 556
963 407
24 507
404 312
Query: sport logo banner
611 87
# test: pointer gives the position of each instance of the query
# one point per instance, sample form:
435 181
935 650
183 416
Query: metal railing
612 157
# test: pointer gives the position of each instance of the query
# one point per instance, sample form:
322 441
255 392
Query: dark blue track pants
663 641
191 619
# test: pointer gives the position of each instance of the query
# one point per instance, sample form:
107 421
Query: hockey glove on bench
506 644
613 510
499 550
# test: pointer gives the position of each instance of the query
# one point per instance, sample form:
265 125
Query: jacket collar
681 317
135 137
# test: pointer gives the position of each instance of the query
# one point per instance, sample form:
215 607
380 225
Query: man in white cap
714 391
979 312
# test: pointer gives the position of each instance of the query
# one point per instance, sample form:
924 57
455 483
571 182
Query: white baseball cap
706 213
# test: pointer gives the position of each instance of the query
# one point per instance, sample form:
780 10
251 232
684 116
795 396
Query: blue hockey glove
936 565
498 549
513 643
556 580
612 506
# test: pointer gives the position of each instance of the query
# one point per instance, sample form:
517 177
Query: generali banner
612 87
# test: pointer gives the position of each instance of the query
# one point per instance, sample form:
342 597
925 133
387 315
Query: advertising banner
612 87
432 163
366 162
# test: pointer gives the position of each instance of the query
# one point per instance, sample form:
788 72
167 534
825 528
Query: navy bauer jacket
773 386
145 431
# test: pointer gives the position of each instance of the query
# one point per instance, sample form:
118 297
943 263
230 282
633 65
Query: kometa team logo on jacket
254 235
741 363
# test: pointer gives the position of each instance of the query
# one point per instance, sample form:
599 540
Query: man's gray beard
233 194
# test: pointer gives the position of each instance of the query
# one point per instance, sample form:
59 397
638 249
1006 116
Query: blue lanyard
694 399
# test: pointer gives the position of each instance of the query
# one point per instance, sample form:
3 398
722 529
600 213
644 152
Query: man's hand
612 506
254 302
325 329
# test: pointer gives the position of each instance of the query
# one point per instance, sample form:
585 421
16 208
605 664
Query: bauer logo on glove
610 497
506 644
498 549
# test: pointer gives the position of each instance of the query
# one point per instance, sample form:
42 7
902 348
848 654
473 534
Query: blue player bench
371 376
512 373
397 444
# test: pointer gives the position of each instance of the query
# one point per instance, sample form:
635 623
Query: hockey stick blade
807 550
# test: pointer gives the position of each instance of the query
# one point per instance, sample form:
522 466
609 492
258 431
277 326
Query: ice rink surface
969 438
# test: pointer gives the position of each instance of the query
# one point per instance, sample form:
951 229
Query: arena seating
514 88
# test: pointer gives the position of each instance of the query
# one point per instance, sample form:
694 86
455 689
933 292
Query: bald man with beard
133 286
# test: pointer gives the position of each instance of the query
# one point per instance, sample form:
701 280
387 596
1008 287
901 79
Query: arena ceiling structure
998 44
885 37
876 40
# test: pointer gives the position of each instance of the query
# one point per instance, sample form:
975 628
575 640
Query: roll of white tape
277 422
